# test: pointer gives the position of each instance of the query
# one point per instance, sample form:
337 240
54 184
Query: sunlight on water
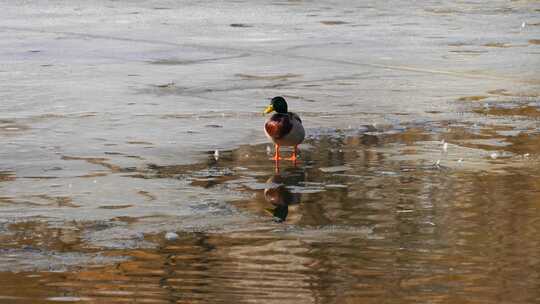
370 224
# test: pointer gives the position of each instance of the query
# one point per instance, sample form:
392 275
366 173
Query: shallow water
419 180
365 215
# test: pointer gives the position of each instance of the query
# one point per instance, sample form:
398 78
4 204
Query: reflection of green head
277 104
280 213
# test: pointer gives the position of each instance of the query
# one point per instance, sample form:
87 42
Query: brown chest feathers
279 125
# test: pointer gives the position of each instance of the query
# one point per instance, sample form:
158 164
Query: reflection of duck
284 128
278 195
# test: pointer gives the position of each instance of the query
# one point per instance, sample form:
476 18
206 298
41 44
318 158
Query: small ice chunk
335 186
509 133
460 160
305 190
405 211
388 173
523 24
494 155
260 186
335 169
171 236
68 299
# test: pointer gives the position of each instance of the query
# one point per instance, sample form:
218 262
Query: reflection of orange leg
276 155
276 167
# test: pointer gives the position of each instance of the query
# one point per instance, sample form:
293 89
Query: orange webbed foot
276 155
294 156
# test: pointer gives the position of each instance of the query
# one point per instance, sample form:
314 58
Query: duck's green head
277 104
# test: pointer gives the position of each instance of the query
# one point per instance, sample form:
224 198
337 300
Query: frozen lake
419 180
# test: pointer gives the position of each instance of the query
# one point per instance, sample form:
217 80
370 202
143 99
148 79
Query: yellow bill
268 109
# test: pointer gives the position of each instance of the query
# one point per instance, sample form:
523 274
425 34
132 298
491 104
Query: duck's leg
294 154
276 155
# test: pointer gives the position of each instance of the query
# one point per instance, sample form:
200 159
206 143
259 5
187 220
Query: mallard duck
284 128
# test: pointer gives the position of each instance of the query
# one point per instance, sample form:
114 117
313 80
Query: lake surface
419 181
